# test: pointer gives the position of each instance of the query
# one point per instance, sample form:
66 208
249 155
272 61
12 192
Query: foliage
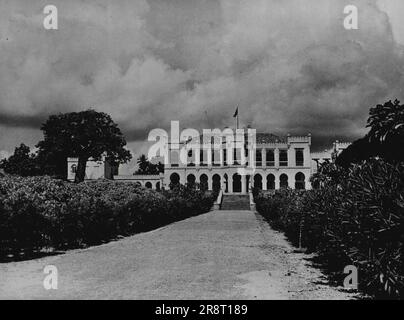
329 173
146 167
356 220
22 162
83 135
386 122
41 212
385 138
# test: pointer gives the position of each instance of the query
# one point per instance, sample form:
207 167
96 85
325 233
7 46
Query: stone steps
235 202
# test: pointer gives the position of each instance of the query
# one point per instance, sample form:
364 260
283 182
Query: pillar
243 184
264 157
277 182
276 159
209 151
230 183
264 183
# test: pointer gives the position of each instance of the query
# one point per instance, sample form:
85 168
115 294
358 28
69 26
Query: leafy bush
357 220
41 212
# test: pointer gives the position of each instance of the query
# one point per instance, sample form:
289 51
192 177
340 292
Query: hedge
40 213
357 221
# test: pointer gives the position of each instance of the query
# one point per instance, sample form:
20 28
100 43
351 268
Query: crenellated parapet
299 139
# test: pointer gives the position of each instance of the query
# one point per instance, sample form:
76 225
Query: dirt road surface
217 255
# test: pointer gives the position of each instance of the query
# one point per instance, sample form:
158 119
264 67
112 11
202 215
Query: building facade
268 162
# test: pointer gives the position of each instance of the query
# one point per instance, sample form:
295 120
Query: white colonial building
270 163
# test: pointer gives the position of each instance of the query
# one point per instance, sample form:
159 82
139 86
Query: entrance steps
235 202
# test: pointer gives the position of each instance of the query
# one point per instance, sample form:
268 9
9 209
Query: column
222 184
197 152
243 183
264 157
210 183
277 182
230 183
168 160
264 182
208 149
276 159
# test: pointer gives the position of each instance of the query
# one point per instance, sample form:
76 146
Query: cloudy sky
289 64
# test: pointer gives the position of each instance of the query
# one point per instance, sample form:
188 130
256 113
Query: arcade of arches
235 183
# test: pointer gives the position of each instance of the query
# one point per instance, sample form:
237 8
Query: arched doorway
148 185
258 181
174 180
299 181
270 182
203 181
236 182
283 179
216 181
191 180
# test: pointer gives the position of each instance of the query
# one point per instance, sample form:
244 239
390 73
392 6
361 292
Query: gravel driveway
218 255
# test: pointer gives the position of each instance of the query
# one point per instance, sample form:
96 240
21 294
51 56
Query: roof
263 138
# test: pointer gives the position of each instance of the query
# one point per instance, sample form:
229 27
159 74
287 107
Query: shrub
41 212
358 220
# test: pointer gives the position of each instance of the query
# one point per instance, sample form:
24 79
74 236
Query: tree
22 162
86 134
143 164
385 138
386 123
146 167
358 151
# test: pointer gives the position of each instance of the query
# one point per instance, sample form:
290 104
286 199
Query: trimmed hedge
357 220
43 213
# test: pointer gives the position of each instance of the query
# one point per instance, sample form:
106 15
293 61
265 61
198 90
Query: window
299 157
258 157
283 158
225 157
270 160
73 168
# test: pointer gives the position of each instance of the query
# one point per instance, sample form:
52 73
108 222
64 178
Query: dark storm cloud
290 65
11 120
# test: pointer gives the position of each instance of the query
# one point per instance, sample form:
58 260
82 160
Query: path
218 255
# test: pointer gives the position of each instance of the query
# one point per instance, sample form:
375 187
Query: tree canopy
21 162
86 134
385 138
146 167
